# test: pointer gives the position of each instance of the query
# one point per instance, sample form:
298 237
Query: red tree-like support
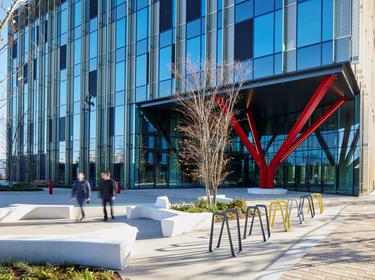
292 142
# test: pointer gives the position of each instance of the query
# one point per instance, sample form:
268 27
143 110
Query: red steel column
267 173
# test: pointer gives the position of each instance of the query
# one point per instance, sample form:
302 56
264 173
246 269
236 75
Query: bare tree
207 100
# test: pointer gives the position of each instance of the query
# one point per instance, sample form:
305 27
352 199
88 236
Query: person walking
82 192
108 190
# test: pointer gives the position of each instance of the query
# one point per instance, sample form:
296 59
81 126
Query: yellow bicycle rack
318 196
282 205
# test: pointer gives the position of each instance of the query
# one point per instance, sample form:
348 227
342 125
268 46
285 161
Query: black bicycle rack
290 206
311 206
256 210
225 221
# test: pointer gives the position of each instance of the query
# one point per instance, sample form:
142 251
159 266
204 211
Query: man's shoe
105 220
113 217
82 219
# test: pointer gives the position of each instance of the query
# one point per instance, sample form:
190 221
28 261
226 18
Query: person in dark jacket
82 192
107 190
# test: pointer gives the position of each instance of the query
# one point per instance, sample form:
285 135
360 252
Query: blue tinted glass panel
165 38
120 76
244 11
309 22
263 6
219 19
194 51
278 31
308 57
119 123
142 24
327 20
263 35
141 73
93 44
278 66
77 11
120 54
263 67
141 94
278 4
165 63
120 33
165 88
327 53
193 29
219 47
142 47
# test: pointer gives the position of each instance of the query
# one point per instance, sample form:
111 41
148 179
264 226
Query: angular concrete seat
109 248
172 222
16 212
220 198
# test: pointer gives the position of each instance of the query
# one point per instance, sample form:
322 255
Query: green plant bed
21 270
202 205
20 188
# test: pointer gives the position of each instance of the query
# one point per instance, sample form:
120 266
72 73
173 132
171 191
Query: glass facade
80 68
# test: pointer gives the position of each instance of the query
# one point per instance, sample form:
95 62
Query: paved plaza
335 245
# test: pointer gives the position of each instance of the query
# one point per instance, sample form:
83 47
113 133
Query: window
120 76
263 6
244 11
263 35
327 20
165 63
193 10
165 15
120 33
35 74
327 53
25 73
77 12
141 70
278 31
93 83
142 24
263 66
63 57
14 51
62 129
308 57
111 121
93 8
243 40
193 52
309 22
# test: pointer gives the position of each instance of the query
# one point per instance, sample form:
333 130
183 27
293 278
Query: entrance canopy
299 92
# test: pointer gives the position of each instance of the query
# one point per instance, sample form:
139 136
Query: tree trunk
214 196
208 193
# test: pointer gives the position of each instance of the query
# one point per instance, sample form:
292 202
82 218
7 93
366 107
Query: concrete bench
110 248
16 212
172 222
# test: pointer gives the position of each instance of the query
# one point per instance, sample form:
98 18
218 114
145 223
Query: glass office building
90 87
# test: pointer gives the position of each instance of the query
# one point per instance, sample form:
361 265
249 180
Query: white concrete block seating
109 248
172 222
220 198
16 212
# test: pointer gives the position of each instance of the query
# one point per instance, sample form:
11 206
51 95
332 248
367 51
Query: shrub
202 205
20 188
21 270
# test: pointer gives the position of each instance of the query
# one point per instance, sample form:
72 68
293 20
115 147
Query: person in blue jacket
82 192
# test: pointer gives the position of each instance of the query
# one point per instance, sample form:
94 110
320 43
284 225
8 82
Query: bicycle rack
224 214
283 206
290 206
311 206
255 211
318 196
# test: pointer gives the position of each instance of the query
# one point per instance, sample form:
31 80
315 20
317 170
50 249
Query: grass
24 271
20 188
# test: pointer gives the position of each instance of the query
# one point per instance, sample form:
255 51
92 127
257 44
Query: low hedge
21 270
20 188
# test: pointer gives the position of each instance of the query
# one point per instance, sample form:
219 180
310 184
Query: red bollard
118 187
50 187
